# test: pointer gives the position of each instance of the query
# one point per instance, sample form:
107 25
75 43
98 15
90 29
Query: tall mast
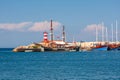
102 31
106 35
96 34
116 32
63 34
112 31
51 31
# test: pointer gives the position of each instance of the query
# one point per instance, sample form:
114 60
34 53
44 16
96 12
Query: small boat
26 50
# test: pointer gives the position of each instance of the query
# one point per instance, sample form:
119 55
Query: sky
23 22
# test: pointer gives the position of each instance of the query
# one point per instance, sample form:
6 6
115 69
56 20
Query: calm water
60 65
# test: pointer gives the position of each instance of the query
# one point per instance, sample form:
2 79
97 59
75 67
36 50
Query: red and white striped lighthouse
45 36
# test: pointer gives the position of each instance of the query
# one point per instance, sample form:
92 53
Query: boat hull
100 49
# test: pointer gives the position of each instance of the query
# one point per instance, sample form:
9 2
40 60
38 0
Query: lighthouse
45 36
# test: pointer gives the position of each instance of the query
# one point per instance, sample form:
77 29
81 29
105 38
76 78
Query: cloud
15 26
92 27
29 26
44 26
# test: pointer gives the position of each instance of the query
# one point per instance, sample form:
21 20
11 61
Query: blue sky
24 21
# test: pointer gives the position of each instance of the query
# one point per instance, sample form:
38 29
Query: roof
59 42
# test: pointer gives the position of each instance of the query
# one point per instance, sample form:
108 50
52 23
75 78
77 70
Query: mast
73 39
112 31
106 35
102 31
63 34
116 32
51 31
96 34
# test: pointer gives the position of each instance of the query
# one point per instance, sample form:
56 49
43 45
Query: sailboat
99 46
114 46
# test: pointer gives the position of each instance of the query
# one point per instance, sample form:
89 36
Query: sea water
99 65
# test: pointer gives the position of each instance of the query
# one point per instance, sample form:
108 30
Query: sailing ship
100 46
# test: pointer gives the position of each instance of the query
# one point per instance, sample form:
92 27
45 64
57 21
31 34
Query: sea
91 65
